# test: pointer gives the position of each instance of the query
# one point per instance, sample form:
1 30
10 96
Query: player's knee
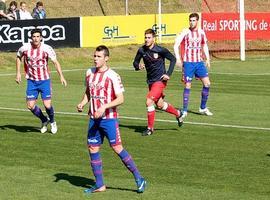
188 85
93 149
162 106
207 84
117 148
30 106
149 102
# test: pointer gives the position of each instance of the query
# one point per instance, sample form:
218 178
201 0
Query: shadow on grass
22 129
194 112
83 182
140 129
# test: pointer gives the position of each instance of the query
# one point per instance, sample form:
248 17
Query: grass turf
192 162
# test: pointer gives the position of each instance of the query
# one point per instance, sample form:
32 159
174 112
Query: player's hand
63 81
18 78
141 66
165 77
79 107
207 63
179 63
99 113
183 78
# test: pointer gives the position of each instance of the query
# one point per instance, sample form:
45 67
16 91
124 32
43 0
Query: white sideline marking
159 120
131 69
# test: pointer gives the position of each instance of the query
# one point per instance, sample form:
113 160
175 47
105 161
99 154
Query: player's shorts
156 90
36 87
98 128
194 68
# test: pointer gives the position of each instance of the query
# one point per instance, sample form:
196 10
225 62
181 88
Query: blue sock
37 112
205 93
129 163
96 164
50 113
186 99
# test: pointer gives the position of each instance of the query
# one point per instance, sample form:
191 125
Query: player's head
39 5
101 56
36 36
149 37
23 5
193 20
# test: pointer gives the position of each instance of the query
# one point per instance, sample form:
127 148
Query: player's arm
84 101
18 78
116 102
136 63
59 71
177 49
207 56
168 55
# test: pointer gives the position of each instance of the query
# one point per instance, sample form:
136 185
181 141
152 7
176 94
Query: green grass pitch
226 156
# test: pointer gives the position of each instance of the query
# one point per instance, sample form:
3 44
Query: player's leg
151 113
111 131
162 105
202 73
152 96
31 98
46 94
189 70
94 140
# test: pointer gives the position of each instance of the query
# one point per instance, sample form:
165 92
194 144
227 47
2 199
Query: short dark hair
150 31
39 3
194 15
104 49
36 30
13 3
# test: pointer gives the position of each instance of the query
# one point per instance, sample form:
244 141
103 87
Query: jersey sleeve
168 55
178 41
137 60
51 52
204 39
20 52
117 84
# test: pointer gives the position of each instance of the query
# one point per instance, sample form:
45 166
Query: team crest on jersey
155 55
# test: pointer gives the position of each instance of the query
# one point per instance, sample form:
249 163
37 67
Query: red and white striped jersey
190 44
102 88
36 61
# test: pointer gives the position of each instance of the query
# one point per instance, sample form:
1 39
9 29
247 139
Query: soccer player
36 55
104 91
189 48
154 62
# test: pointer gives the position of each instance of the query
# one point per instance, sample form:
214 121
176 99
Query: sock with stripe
186 94
129 163
50 112
38 113
151 113
170 109
204 98
96 164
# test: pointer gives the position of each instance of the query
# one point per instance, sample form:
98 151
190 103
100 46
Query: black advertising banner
60 32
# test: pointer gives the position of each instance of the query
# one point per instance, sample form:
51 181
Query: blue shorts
194 68
98 128
36 87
